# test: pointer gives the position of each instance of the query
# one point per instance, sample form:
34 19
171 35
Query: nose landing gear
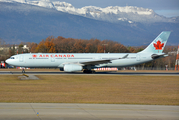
23 71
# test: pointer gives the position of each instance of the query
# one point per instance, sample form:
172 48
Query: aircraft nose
7 61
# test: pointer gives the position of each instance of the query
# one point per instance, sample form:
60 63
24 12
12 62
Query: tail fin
158 44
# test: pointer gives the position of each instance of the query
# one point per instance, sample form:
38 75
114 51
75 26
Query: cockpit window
12 58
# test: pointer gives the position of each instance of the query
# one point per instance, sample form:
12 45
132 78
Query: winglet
124 57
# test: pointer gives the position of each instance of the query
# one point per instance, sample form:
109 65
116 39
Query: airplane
86 62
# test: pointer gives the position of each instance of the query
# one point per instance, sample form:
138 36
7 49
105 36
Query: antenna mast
177 60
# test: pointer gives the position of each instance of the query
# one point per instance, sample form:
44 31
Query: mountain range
32 21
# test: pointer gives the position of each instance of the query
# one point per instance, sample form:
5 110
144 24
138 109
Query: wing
103 61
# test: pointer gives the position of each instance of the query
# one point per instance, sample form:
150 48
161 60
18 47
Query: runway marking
35 111
87 112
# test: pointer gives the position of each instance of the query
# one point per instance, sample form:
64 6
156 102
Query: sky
167 8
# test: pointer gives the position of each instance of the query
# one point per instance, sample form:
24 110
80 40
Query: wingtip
125 56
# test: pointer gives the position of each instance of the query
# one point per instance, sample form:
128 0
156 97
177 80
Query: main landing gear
88 71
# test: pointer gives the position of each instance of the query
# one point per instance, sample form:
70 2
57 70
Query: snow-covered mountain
32 21
114 14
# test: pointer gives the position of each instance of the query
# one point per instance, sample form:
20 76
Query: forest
71 45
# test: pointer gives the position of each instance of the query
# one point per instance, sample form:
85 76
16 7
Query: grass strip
110 89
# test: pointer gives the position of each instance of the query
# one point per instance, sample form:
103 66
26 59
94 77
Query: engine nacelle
72 68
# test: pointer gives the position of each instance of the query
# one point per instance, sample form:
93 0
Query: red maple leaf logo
34 55
158 46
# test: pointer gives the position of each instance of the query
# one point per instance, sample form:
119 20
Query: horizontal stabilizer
155 56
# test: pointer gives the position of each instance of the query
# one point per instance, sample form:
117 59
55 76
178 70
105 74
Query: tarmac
62 111
175 73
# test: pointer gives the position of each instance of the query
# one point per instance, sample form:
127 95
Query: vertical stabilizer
158 44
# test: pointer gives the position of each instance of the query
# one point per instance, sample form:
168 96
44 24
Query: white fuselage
39 60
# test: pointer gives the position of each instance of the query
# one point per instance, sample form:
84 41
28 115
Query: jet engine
72 68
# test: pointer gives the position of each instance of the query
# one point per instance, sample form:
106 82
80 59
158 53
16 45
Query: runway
97 73
61 111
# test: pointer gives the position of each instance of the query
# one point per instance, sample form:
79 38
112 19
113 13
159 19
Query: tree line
70 45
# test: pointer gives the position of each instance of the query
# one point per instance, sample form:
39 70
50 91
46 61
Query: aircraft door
52 58
21 58
138 57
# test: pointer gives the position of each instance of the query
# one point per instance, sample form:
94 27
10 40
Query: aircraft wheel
93 71
88 71
84 71
23 71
